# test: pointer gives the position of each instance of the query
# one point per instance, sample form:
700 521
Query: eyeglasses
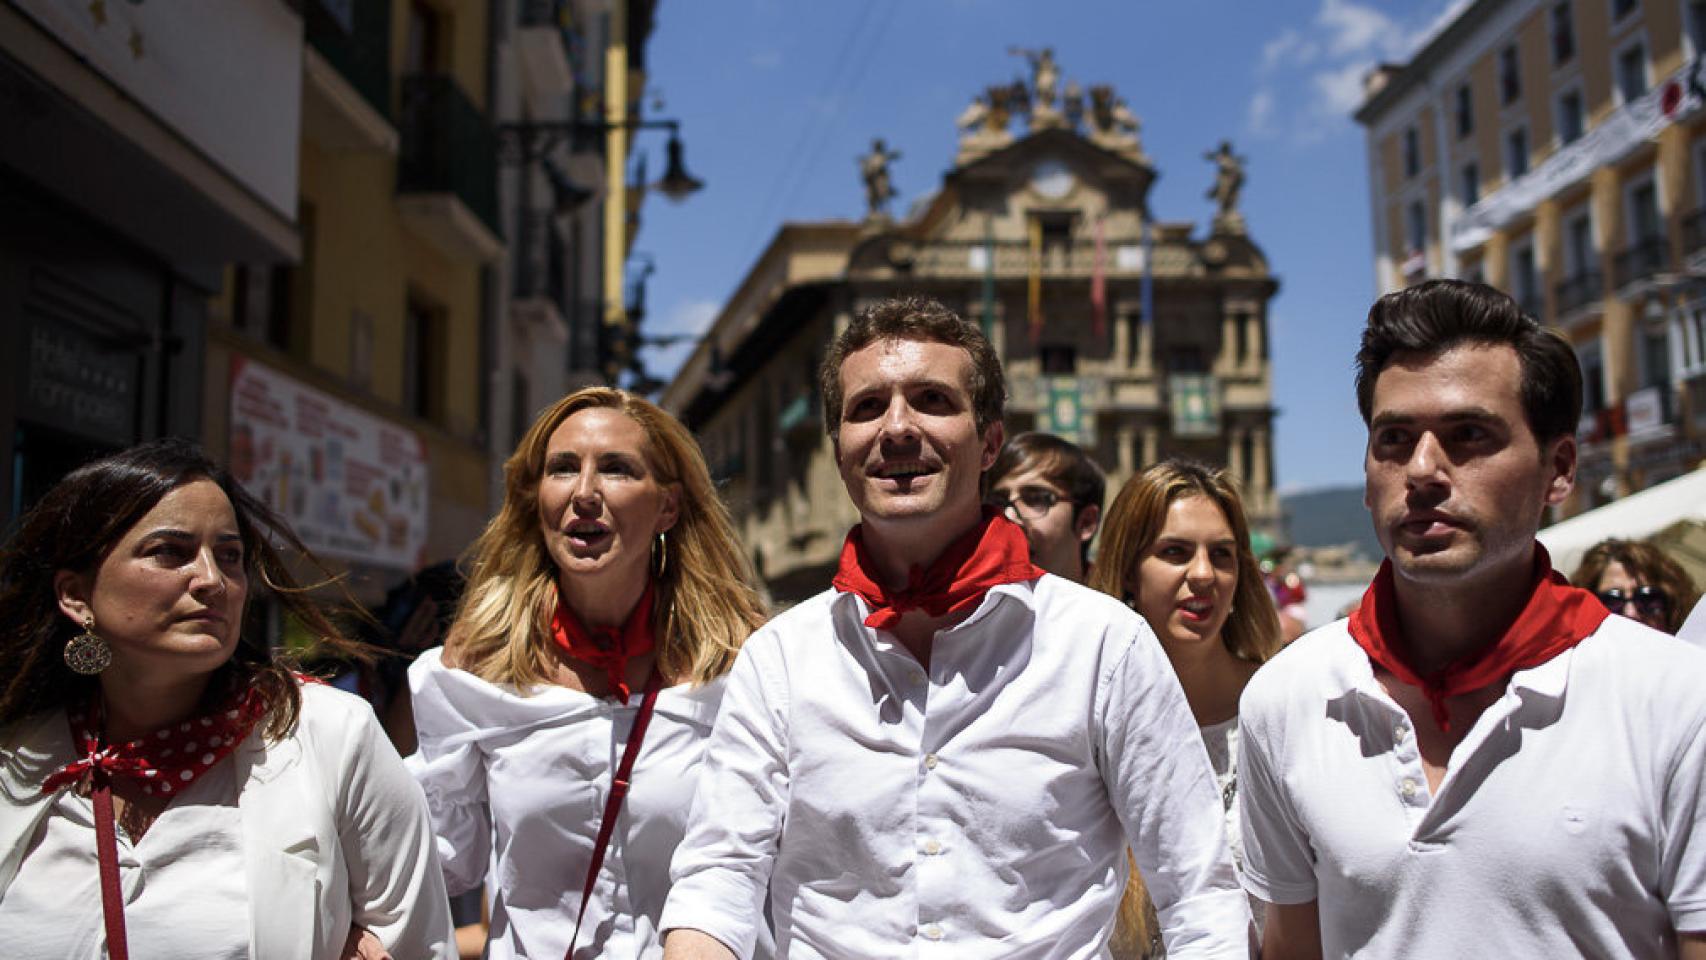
1650 602
1032 503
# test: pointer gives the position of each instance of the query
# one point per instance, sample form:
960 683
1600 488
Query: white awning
1631 518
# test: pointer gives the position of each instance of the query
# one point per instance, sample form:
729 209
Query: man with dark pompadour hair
1480 761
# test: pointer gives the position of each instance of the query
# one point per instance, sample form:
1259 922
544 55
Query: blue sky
778 98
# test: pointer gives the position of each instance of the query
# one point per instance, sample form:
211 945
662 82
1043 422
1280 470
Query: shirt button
932 847
931 932
1402 730
930 761
1407 788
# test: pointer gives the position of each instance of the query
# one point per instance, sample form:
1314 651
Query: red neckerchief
164 762
607 648
991 553
1556 618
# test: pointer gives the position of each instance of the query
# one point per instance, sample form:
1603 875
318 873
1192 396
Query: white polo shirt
1568 823
978 808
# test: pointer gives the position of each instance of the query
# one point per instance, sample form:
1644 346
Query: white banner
1630 126
351 484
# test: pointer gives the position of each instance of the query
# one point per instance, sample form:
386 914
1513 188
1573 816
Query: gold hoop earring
660 555
87 653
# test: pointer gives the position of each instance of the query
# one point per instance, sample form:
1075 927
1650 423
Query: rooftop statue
1045 81
874 167
1228 182
1112 124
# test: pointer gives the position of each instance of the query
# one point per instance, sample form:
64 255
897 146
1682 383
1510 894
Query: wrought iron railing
355 38
448 146
1641 260
1580 290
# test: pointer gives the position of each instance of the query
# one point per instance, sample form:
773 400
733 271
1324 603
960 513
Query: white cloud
1309 77
1288 49
1260 120
1340 89
687 317
1356 30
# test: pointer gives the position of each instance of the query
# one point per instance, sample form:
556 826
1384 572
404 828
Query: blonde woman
604 605
1176 548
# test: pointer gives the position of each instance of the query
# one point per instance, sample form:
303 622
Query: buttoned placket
1425 810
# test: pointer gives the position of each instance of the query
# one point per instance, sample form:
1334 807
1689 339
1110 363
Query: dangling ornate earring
660 555
87 653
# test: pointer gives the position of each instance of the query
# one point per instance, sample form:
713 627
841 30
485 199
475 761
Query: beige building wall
1633 332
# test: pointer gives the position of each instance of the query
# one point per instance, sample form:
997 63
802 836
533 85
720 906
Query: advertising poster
350 484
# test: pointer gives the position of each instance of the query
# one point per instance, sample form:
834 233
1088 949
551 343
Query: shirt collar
1022 591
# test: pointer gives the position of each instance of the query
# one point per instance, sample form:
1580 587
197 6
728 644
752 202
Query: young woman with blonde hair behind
605 603
1176 548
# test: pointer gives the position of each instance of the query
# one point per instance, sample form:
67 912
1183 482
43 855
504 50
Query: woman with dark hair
1176 548
1635 579
605 604
256 815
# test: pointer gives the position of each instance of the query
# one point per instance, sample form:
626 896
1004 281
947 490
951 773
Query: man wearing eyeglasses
948 753
1481 761
1053 490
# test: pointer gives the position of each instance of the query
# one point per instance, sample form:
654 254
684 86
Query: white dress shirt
980 808
192 855
1569 822
333 832
517 786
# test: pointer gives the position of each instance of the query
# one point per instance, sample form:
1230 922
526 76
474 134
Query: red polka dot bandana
164 762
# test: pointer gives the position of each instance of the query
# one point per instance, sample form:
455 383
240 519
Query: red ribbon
992 553
1556 618
607 648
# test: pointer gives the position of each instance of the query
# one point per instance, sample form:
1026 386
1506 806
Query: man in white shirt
949 753
1480 761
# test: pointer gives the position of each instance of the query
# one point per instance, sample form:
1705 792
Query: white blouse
517 784
183 882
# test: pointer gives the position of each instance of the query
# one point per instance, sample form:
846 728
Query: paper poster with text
352 485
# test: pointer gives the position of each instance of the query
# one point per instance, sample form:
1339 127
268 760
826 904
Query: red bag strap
612 806
106 849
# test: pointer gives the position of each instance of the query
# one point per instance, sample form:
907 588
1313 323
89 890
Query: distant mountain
1329 517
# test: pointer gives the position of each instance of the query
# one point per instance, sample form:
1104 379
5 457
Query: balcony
539 294
1576 293
1640 261
447 169
543 40
1694 233
346 103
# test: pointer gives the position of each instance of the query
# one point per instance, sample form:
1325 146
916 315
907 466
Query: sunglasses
1032 503
1650 602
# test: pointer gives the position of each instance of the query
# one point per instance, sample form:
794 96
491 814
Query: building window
423 359
1572 116
1654 345
1644 221
1466 109
1471 183
1632 72
1579 255
1412 152
1516 152
1563 34
1055 358
1593 377
1510 75
1415 228
1525 280
1621 9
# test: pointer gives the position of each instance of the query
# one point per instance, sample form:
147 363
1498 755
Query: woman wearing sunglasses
1636 579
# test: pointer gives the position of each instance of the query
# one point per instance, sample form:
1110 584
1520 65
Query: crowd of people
981 739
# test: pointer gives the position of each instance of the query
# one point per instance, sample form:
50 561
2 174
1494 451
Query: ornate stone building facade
1043 231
